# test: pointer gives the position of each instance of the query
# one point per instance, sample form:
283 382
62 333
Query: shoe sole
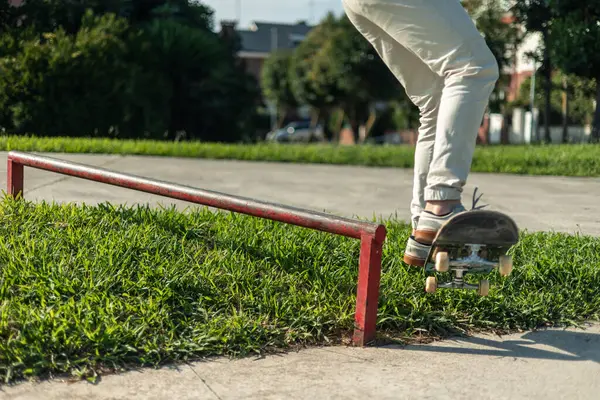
425 236
414 261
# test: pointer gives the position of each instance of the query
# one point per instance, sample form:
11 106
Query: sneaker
429 224
416 253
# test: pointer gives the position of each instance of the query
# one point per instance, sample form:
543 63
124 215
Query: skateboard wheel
484 287
505 265
431 284
442 262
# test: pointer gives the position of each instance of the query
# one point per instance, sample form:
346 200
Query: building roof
263 37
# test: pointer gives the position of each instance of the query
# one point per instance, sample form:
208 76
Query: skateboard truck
473 263
473 242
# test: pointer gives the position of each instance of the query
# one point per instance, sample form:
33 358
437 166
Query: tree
578 110
337 67
575 47
536 16
184 60
305 75
360 76
67 85
8 15
49 15
125 68
275 82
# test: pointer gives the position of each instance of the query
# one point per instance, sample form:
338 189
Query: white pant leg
424 89
442 35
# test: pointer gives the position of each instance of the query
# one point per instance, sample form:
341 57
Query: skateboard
471 242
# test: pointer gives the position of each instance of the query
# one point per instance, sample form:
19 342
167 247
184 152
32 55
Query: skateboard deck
471 242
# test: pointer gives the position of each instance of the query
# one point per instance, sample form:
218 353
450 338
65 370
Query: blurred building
262 38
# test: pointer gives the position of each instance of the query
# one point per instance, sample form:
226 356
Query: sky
286 11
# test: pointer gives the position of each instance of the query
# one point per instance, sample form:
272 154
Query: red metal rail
371 235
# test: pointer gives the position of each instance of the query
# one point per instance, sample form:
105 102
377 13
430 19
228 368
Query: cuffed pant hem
442 193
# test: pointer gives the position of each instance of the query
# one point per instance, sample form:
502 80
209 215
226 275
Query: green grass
86 289
565 160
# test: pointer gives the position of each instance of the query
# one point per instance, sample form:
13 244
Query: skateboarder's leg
423 87
442 35
470 75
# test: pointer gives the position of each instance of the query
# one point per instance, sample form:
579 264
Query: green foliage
197 77
122 68
575 36
337 67
86 289
575 44
306 80
575 39
49 15
581 92
359 73
275 82
64 84
405 115
535 14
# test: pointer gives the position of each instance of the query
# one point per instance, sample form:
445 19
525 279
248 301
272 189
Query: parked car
297 131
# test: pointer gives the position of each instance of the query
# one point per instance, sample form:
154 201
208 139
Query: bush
70 85
165 78
204 94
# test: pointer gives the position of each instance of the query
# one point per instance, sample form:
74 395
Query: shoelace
476 200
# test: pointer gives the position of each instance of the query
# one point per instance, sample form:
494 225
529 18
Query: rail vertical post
367 295
14 178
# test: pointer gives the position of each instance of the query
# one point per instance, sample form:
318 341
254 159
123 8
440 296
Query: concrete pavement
552 364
